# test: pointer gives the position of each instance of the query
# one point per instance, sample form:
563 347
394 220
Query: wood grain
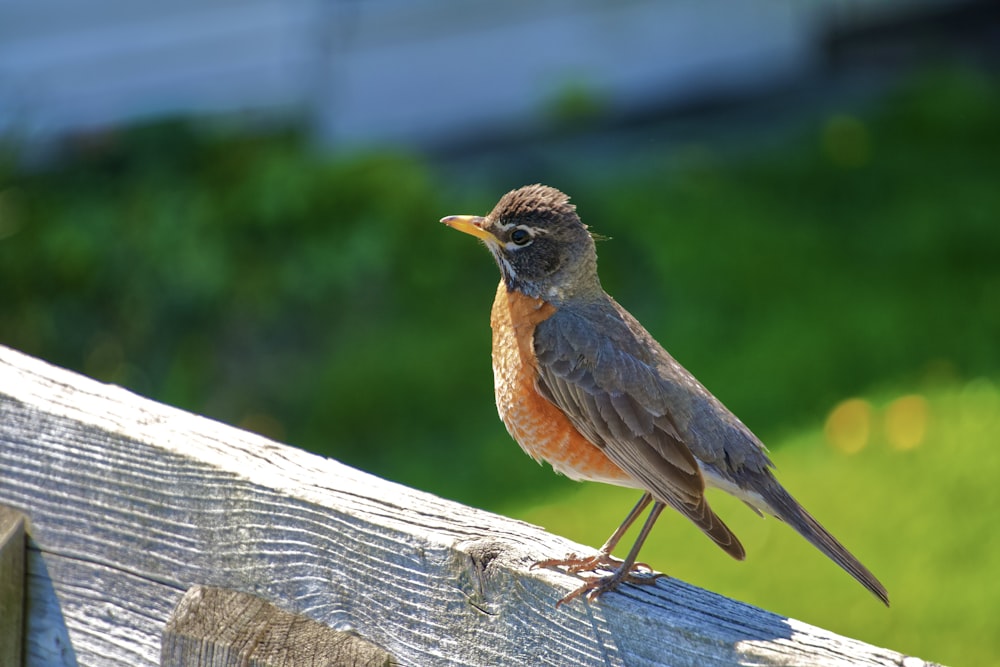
132 502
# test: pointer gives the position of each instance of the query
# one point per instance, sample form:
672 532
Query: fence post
11 585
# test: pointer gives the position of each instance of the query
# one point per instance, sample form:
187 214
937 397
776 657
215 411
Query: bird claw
597 585
574 564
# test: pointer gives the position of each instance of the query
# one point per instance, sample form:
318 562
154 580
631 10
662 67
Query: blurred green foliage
316 299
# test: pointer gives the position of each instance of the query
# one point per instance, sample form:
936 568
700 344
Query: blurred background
232 207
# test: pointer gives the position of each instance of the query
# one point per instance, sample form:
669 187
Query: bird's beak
470 224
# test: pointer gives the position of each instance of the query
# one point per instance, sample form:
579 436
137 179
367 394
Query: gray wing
615 394
627 395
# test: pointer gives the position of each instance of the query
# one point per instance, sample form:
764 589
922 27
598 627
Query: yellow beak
470 224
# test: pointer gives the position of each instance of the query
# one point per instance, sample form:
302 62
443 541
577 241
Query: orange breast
536 424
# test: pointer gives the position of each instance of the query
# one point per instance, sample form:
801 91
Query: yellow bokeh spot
906 422
849 425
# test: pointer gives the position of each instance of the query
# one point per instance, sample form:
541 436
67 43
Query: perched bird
582 385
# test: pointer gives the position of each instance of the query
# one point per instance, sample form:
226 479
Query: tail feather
786 508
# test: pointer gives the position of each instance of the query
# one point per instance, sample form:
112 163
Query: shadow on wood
132 503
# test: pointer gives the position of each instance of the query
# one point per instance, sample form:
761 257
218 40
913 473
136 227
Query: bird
580 384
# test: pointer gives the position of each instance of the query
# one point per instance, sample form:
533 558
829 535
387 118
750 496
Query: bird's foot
597 585
599 561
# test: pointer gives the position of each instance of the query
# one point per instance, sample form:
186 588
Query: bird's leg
628 571
602 559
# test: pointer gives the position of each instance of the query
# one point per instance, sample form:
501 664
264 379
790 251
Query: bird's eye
520 236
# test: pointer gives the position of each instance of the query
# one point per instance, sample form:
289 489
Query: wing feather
613 397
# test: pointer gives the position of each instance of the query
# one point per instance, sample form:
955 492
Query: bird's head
539 243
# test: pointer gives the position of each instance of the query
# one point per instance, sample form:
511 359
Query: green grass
923 519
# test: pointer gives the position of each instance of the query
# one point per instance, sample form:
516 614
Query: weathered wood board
132 502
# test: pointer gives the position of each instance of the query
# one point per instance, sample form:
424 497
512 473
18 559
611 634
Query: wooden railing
157 537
